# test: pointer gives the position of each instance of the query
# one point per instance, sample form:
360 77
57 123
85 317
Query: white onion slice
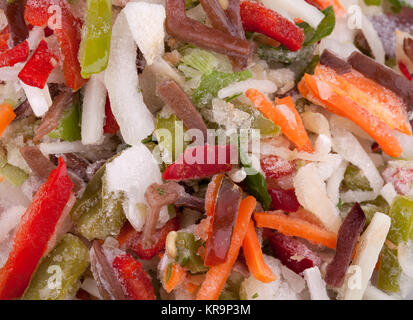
372 293
93 110
147 19
316 284
358 196
373 40
388 193
316 122
405 257
62 147
121 79
39 99
264 86
35 35
334 182
367 253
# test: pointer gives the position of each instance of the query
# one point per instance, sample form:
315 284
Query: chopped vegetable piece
68 128
170 144
218 275
324 29
37 13
133 278
292 252
223 221
6 116
65 263
257 18
282 54
179 26
175 277
14 10
95 44
13 174
290 226
401 214
111 126
275 167
201 162
14 55
354 179
286 116
33 234
285 200
187 252
389 270
329 59
254 258
338 8
213 82
347 238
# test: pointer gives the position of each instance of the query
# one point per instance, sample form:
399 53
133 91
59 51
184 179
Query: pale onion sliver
373 40
146 19
39 99
121 79
405 257
367 252
93 110
316 284
264 86
334 182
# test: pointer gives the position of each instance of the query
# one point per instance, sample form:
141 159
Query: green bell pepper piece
401 214
355 180
260 122
57 276
69 125
187 256
389 271
98 214
170 124
95 45
12 174
376 205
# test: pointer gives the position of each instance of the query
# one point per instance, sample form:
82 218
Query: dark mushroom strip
23 111
220 20
52 117
330 60
384 76
189 201
181 27
177 99
14 10
42 166
347 238
408 48
108 284
233 14
76 164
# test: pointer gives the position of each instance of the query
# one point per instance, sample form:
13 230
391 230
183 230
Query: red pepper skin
68 36
202 167
4 39
14 55
36 228
38 68
133 240
405 71
257 18
285 200
275 167
133 278
111 126
293 253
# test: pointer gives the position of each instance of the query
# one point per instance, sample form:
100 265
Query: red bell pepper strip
201 162
133 278
257 18
405 71
68 35
14 55
111 126
38 68
36 228
130 239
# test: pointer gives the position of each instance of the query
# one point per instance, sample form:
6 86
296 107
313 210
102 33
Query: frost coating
121 79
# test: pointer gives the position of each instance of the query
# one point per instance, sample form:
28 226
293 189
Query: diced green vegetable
57 276
372 2
200 60
371 207
401 214
397 5
354 179
260 122
389 271
309 68
12 174
282 55
98 214
191 3
255 183
95 45
324 29
232 287
187 256
169 125
215 81
69 125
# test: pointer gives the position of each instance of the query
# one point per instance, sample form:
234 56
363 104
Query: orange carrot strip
296 227
339 10
254 258
217 275
288 119
1 179
346 107
177 275
6 116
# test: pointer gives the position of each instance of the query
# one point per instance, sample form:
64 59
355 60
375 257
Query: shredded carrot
254 257
1 179
6 116
296 227
217 275
288 119
338 8
343 105
191 287
308 216
177 275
